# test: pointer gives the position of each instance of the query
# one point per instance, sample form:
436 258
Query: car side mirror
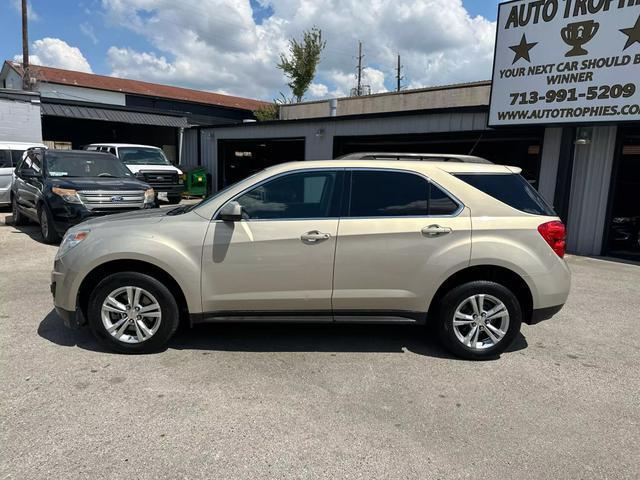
231 212
29 173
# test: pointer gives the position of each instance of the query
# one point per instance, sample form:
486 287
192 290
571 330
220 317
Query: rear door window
441 204
511 189
388 194
5 159
397 194
16 156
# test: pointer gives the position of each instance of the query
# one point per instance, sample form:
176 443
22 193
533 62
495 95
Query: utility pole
360 57
26 77
361 89
399 76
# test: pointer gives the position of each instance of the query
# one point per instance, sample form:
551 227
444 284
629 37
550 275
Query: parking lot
303 401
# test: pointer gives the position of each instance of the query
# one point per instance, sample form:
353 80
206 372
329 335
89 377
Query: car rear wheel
18 218
479 320
132 313
47 229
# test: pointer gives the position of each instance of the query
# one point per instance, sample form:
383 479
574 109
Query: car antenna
475 144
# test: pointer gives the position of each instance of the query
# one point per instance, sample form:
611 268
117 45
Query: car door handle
315 237
435 231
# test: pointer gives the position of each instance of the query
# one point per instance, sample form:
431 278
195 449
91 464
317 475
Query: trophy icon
578 34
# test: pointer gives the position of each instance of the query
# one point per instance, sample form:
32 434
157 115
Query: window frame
346 197
340 185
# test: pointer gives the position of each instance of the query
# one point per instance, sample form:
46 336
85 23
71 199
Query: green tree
271 111
301 63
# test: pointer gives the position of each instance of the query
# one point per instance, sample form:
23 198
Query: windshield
142 156
76 164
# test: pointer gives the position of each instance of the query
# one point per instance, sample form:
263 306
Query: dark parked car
61 188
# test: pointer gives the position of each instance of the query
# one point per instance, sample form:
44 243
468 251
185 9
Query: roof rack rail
419 157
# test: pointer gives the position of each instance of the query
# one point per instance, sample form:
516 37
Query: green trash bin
197 182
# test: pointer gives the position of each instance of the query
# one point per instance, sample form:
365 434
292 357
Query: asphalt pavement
318 402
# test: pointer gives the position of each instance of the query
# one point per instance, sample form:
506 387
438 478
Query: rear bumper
542 314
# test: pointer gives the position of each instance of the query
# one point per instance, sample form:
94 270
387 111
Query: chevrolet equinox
465 244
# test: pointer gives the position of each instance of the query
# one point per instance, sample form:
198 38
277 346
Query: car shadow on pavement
52 328
274 337
31 229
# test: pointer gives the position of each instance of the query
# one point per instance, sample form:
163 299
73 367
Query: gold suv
468 245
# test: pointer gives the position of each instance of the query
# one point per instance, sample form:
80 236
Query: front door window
292 197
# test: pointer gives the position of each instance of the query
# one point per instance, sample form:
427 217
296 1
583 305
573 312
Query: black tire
18 218
47 229
174 199
170 316
453 299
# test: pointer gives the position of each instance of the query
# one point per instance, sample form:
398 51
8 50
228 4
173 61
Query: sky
232 46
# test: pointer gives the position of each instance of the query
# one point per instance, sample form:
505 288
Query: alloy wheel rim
131 314
481 322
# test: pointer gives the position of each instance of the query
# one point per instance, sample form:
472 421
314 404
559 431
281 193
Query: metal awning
107 115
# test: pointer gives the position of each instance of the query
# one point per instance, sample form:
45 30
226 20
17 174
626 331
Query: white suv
468 246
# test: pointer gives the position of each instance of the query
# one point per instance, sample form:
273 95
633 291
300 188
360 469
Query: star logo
523 49
633 33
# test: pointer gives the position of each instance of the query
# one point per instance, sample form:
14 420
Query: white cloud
88 30
318 90
53 52
217 45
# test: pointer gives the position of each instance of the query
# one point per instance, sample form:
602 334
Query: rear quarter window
511 189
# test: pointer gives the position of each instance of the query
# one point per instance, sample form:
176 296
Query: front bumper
169 189
67 215
73 320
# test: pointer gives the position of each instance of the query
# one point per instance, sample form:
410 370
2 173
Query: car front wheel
479 320
47 228
132 313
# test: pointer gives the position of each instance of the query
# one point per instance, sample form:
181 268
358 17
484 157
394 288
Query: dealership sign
566 61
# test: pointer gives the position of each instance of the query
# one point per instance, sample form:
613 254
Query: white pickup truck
150 165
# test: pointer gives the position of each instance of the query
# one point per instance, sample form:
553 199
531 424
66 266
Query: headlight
149 196
182 178
71 240
67 194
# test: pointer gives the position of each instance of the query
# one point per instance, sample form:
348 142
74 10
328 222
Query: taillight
555 234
